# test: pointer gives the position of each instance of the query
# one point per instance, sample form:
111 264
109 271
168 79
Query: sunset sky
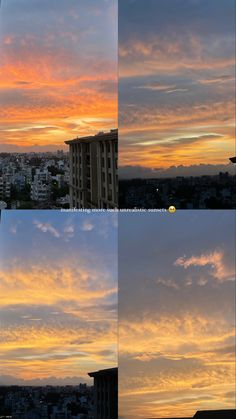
176 313
176 86
58 71
58 296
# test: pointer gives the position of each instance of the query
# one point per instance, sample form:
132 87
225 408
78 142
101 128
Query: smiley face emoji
172 209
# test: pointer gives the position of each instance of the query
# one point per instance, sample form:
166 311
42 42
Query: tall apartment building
105 393
40 191
5 187
93 171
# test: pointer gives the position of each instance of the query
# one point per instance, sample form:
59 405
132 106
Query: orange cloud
157 55
174 363
44 85
31 286
148 132
161 137
215 260
41 351
57 321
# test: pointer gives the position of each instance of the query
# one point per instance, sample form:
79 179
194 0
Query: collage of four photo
117 209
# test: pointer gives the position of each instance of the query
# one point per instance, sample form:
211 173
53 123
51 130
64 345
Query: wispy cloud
217 79
176 75
87 225
14 227
68 85
156 87
58 305
179 311
69 231
47 228
213 260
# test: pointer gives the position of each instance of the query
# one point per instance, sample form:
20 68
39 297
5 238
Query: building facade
5 187
93 171
39 191
105 393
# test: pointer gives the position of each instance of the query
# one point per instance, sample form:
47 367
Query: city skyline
58 286
176 313
58 72
176 87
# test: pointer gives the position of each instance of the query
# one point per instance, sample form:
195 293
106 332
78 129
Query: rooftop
211 414
215 414
100 136
108 371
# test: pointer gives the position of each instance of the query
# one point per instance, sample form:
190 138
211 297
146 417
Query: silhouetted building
215 414
233 159
105 393
93 171
173 418
211 414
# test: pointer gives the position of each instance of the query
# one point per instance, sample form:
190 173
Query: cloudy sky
176 313
58 296
176 86
58 71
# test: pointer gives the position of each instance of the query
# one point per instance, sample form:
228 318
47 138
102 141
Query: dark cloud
132 172
171 16
16 148
8 380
